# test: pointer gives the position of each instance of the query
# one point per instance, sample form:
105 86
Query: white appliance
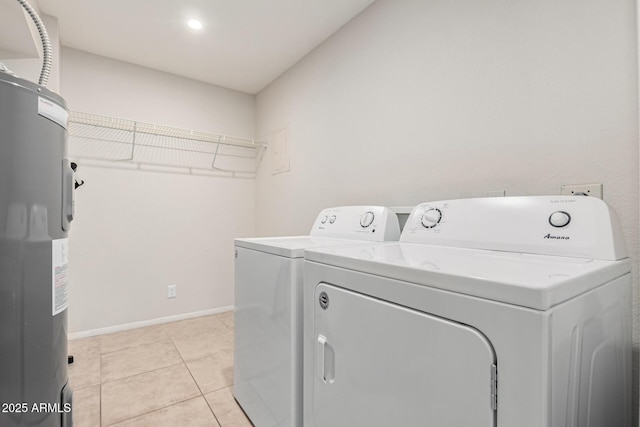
512 312
268 309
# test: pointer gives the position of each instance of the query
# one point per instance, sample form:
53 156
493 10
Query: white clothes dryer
268 309
508 312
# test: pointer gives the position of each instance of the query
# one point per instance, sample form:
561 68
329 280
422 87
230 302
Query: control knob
367 219
431 218
559 219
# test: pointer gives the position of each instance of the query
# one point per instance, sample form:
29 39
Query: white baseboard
158 321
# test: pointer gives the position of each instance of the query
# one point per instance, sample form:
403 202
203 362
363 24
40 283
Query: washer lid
528 280
291 246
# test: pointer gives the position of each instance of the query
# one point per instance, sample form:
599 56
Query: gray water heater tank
36 207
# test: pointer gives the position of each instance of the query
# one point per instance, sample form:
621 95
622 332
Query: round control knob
431 218
324 219
332 219
559 219
367 219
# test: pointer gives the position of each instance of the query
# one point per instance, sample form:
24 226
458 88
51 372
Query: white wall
136 232
423 100
418 100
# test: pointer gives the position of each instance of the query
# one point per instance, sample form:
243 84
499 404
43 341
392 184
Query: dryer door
381 364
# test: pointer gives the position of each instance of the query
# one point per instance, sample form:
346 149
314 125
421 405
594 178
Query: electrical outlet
171 291
593 190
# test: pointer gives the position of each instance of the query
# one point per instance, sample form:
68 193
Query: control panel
576 226
370 223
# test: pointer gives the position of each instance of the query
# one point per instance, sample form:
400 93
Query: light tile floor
175 374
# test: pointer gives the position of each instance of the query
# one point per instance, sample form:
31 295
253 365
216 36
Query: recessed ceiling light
195 24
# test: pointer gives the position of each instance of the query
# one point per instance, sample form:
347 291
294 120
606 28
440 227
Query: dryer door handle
326 360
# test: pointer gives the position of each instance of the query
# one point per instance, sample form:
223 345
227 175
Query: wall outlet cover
171 291
593 190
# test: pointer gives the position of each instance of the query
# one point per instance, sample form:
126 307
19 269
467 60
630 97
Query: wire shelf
112 139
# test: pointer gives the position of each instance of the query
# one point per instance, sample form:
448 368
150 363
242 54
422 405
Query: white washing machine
268 309
508 312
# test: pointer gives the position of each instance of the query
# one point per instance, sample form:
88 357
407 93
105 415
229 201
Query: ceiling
243 45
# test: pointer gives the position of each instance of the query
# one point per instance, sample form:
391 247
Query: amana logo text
549 236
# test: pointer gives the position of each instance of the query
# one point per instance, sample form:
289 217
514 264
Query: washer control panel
371 223
578 226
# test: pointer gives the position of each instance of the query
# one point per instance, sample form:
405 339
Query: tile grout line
212 411
184 363
156 410
129 376
142 373
131 347
196 382
153 370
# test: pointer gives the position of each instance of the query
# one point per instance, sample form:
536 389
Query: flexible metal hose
46 43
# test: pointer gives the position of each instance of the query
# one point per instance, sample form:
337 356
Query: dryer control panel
369 223
575 226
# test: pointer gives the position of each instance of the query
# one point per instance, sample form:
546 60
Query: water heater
36 208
